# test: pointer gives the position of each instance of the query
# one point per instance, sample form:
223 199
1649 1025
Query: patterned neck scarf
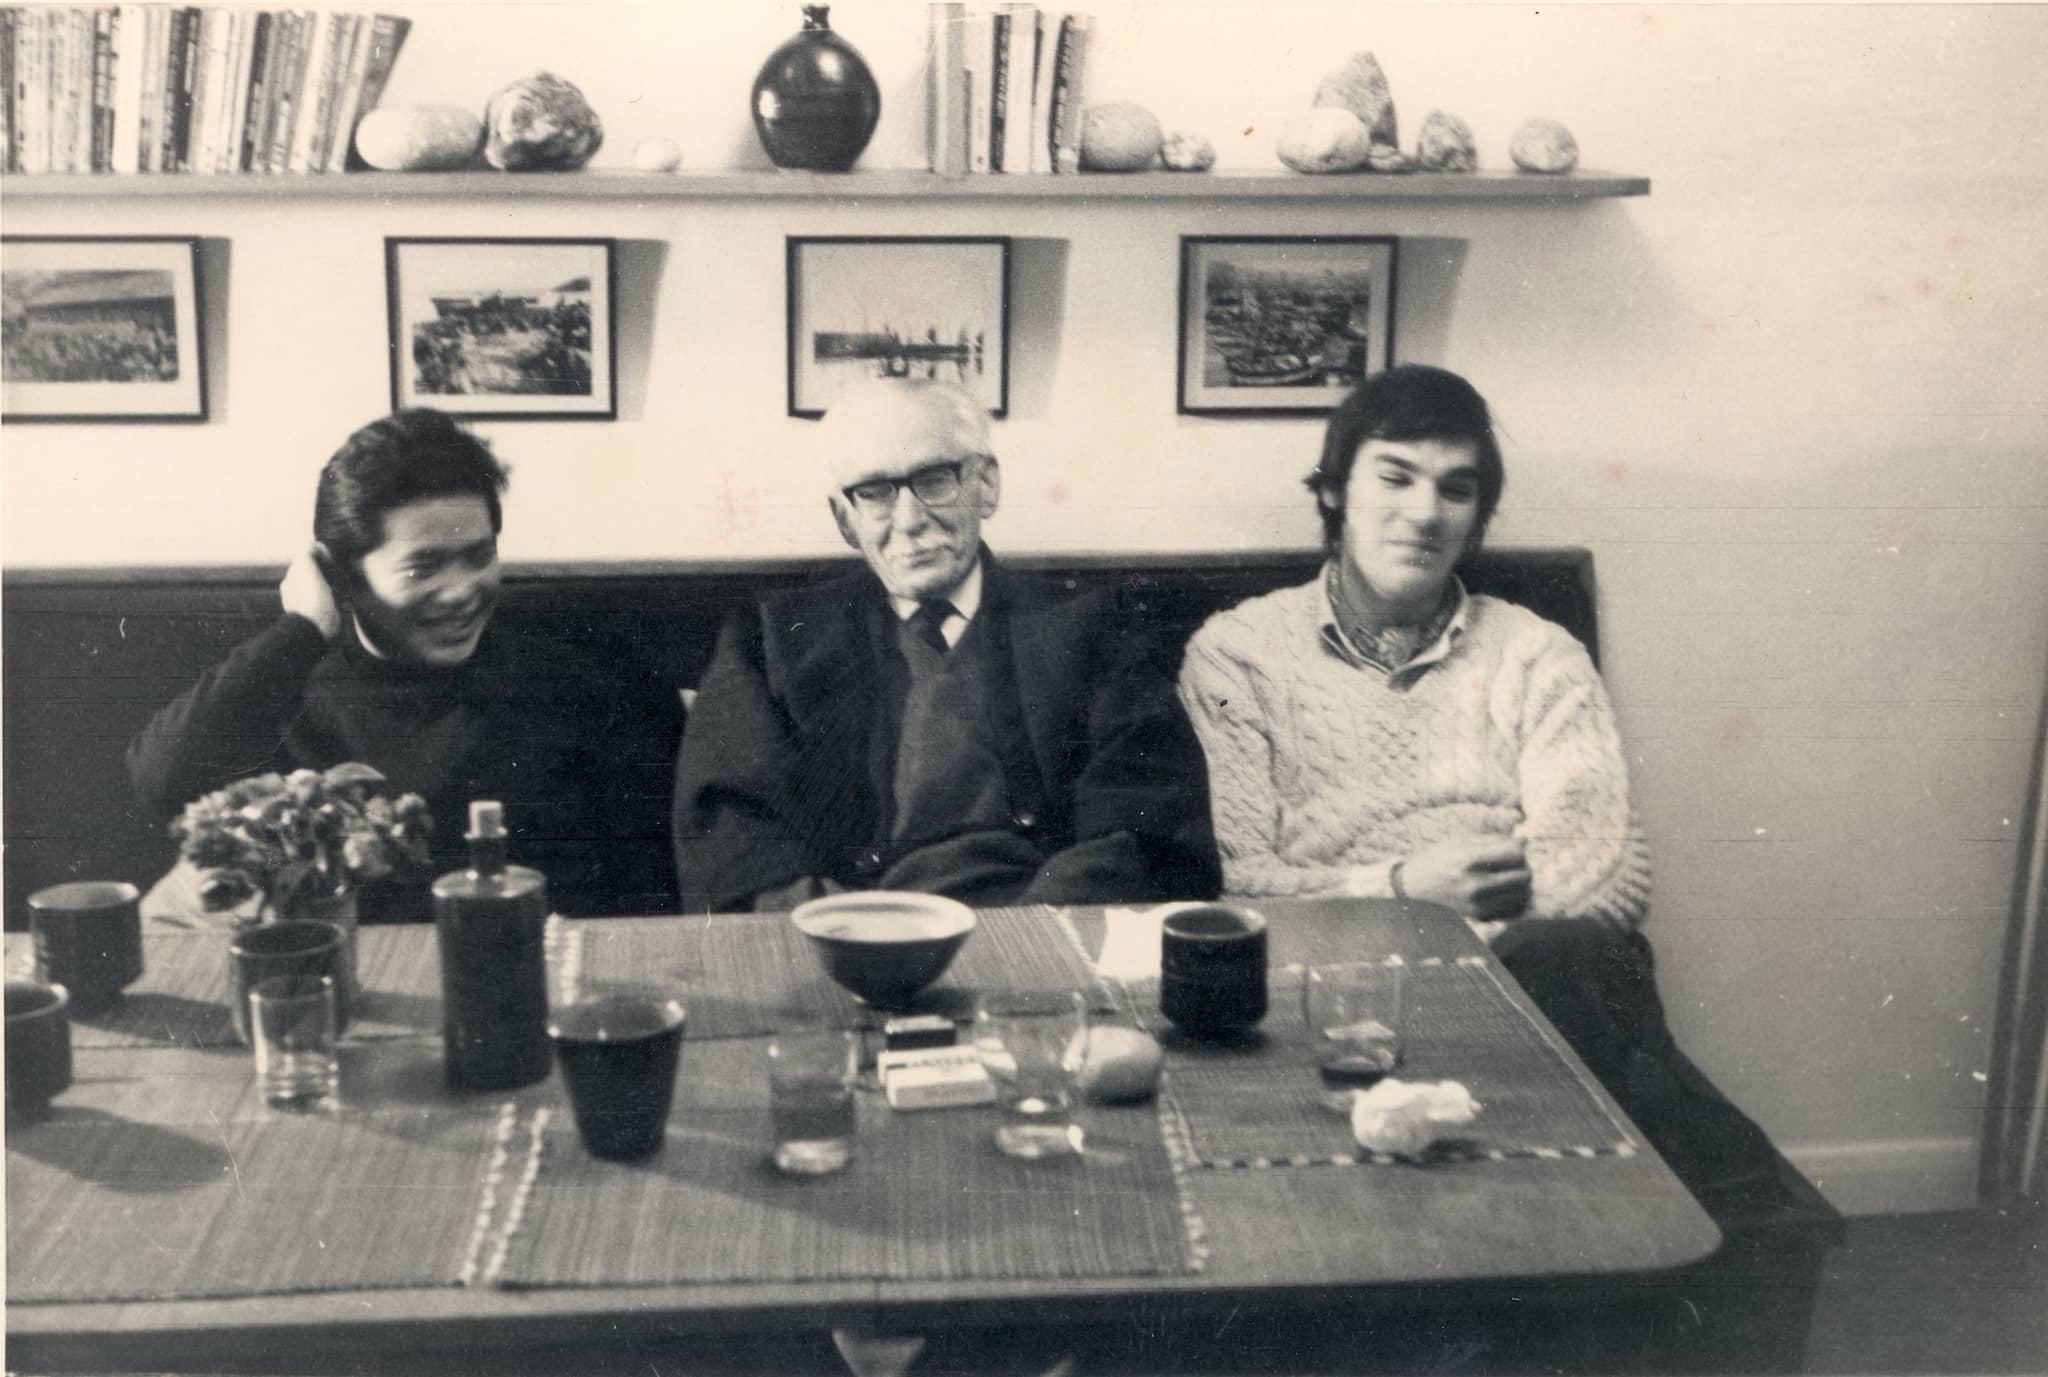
1387 648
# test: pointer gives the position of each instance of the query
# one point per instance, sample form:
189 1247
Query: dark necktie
930 616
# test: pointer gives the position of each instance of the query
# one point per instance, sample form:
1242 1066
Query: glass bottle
491 920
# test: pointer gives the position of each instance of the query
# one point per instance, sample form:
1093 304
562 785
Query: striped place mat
928 1196
182 996
1458 1023
745 975
136 1189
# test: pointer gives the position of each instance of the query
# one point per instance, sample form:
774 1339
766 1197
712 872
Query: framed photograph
503 329
903 308
101 328
1282 326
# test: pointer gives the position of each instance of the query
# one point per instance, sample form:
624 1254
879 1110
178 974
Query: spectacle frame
937 484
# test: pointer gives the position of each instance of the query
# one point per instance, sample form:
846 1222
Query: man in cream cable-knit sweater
1378 732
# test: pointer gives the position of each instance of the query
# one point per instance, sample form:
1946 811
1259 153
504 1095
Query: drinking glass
291 1024
1035 1059
1353 1012
811 1074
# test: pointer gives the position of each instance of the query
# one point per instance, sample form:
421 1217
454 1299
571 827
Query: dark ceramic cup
1212 970
618 1053
88 937
300 948
38 1045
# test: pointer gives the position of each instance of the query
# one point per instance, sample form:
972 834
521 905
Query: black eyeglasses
935 485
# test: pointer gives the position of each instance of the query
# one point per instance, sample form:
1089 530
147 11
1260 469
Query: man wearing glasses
935 721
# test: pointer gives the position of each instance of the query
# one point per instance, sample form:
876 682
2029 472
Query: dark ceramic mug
1212 969
38 1045
299 948
88 937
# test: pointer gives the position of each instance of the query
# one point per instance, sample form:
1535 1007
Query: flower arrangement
299 837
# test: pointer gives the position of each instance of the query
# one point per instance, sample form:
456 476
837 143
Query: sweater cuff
1370 881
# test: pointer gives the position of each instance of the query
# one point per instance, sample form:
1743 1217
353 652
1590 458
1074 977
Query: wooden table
1541 1230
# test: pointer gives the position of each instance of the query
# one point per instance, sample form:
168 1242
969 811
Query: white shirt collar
966 600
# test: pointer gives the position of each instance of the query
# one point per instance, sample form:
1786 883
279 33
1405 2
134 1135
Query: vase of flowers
303 842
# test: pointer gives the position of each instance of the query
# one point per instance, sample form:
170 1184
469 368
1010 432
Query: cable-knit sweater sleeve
1587 855
1219 690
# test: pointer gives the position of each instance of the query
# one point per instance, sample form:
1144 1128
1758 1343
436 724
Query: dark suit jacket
785 769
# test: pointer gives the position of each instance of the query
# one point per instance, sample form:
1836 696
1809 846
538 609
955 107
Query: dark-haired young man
386 653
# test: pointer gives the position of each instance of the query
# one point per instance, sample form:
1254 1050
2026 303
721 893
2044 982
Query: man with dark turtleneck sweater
387 653
934 722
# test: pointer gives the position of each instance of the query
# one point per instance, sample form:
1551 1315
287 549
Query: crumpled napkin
1131 943
1403 1118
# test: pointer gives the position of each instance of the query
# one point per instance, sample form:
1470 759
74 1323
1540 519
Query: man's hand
307 591
1480 877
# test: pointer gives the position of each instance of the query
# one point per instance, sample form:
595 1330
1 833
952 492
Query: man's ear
844 520
991 489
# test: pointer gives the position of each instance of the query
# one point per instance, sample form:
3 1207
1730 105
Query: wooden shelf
851 186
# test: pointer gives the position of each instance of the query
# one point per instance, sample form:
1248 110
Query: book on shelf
1019 83
1004 88
980 60
946 89
999 93
202 89
1070 64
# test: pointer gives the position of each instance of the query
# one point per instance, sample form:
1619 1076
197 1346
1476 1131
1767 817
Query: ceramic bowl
883 946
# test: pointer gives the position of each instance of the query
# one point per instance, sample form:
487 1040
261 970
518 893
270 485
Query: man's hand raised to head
308 590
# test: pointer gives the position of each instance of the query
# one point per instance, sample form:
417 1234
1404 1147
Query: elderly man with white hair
935 721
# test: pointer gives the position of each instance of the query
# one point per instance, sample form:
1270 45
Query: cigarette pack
934 1078
907 1032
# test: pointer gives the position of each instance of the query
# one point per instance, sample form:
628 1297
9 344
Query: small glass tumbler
1353 1013
811 1076
291 1024
1035 1060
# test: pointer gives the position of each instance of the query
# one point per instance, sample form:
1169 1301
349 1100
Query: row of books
157 88
1006 88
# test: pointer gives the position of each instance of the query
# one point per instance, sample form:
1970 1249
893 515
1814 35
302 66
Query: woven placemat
927 1196
181 998
105 1205
743 975
1457 1024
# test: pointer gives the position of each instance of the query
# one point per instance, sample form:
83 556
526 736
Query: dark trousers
1598 985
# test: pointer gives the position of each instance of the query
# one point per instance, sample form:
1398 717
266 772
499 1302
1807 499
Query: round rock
1185 152
540 124
1544 146
419 138
1119 136
1446 144
657 155
1327 139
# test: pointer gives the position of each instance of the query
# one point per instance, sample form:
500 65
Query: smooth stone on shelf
1185 152
1119 136
540 124
1544 146
1384 157
1446 144
657 155
1327 139
419 138
1361 87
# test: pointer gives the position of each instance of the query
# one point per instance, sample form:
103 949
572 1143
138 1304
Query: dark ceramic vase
815 101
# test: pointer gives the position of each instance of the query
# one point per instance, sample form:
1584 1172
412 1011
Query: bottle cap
486 818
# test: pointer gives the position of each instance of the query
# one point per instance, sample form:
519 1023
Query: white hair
883 412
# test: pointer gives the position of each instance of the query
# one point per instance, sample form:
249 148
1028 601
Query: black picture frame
102 328
1297 357
504 329
859 302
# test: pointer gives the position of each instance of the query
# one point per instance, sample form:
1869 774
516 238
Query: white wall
1793 400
